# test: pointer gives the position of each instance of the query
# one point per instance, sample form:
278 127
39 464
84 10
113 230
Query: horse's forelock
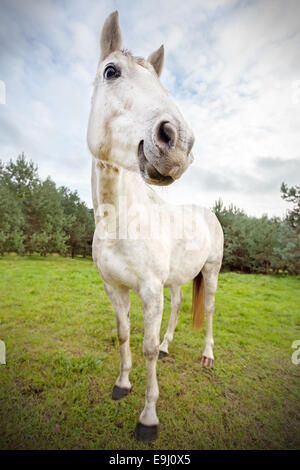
139 60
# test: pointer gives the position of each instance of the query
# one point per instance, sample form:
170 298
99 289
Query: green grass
63 359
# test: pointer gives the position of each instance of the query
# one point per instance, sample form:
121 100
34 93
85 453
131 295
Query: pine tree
11 222
79 223
292 194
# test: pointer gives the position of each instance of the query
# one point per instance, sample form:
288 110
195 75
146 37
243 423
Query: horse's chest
129 262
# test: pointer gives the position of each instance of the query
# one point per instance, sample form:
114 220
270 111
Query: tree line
38 217
262 245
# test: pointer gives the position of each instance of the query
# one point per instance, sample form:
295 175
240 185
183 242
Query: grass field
62 361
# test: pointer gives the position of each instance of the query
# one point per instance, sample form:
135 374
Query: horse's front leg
121 303
152 298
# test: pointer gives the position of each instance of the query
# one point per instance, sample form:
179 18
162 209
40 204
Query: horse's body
128 154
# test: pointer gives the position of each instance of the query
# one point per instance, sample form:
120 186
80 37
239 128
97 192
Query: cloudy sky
232 66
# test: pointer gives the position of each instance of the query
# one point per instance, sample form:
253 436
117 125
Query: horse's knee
123 336
122 339
123 332
150 348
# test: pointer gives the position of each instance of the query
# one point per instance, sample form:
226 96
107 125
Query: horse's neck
113 184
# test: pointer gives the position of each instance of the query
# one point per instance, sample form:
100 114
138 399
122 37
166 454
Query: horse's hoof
146 434
207 361
162 354
118 392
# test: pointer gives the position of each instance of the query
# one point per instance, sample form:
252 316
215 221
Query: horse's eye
111 72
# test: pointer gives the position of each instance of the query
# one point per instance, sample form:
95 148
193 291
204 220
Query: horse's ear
111 37
157 59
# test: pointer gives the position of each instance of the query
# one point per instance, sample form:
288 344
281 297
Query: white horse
137 135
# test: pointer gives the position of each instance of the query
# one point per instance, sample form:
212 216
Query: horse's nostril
166 134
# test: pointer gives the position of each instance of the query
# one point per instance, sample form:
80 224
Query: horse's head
133 122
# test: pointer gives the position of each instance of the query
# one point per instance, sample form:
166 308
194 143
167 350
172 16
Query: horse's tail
198 302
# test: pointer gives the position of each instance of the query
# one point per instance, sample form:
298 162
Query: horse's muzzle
149 172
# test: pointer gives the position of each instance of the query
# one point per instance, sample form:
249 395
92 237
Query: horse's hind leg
210 273
121 304
176 300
